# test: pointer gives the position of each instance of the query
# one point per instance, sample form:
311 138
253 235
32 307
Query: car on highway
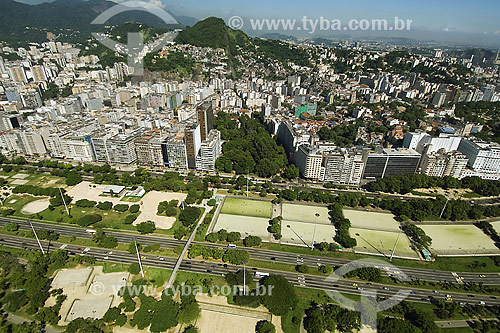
385 288
449 299
482 276
143 257
413 292
354 284
359 288
482 303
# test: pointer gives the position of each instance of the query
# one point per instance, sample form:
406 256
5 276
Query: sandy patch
90 292
149 208
4 177
219 316
35 207
20 176
12 201
452 194
87 190
19 182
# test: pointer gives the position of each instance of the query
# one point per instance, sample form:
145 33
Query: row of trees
342 225
331 317
406 183
223 236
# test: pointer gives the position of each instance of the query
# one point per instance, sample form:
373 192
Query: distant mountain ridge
68 19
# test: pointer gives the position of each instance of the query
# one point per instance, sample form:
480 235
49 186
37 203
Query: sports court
459 240
307 214
371 220
307 231
246 207
246 225
89 308
380 242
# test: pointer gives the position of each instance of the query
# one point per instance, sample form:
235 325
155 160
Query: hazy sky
458 21
460 15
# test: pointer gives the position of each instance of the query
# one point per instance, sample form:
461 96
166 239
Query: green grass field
255 226
459 240
255 208
382 242
304 213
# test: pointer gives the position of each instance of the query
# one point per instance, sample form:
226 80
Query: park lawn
131 199
306 298
110 219
45 180
20 201
254 208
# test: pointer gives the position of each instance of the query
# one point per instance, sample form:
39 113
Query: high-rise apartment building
192 138
442 163
343 168
151 149
176 152
483 157
17 74
210 150
309 161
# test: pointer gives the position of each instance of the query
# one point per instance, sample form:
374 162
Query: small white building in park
113 190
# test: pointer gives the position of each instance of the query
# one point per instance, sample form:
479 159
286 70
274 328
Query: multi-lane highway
302 280
268 255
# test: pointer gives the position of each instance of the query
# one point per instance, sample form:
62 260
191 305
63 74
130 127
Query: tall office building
192 138
390 162
205 118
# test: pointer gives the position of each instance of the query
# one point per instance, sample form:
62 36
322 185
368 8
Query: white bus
90 231
231 246
261 274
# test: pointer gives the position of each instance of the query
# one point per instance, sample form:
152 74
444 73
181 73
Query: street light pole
444 207
138 257
244 278
394 249
36 236
64 201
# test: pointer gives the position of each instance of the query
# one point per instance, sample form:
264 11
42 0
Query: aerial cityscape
260 167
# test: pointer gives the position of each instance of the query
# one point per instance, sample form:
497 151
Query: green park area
244 207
